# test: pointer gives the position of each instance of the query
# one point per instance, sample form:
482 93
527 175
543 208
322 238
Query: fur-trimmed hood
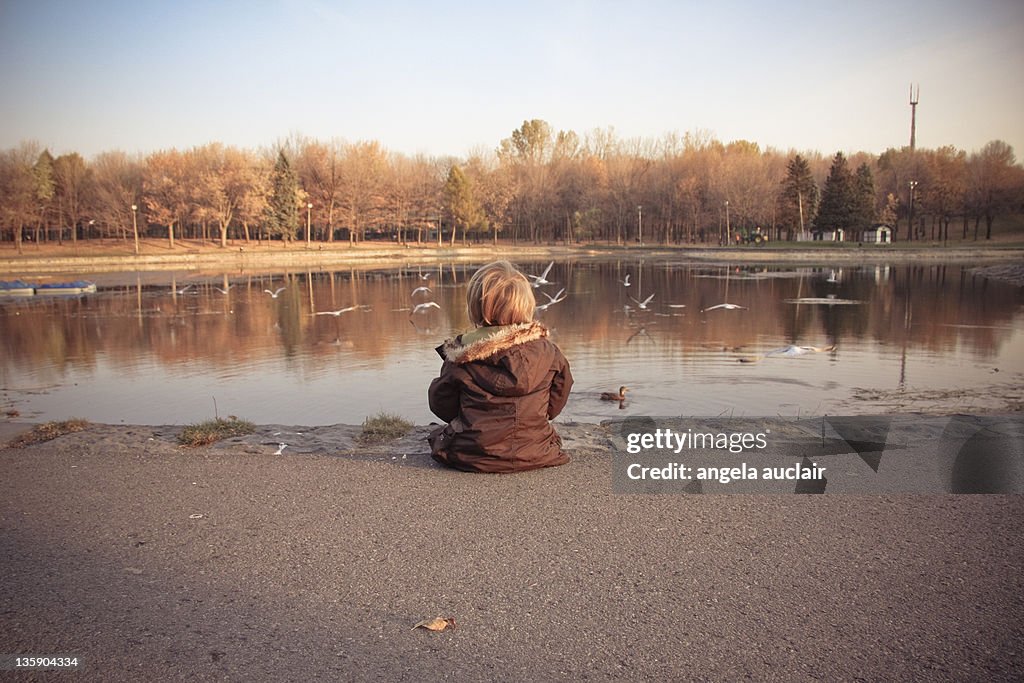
455 351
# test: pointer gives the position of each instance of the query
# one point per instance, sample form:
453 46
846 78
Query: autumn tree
995 184
226 177
117 186
945 194
46 188
165 190
71 176
320 172
363 186
18 189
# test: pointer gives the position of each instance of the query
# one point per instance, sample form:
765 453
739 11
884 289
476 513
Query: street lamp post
910 229
640 224
728 230
309 214
135 226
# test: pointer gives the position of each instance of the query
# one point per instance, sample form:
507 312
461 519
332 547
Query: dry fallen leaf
435 624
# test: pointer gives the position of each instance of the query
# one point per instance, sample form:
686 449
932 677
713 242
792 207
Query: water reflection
327 347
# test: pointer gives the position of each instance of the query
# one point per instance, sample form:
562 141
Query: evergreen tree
459 202
799 196
838 206
864 198
283 209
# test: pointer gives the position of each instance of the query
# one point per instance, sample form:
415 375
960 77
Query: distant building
837 235
877 234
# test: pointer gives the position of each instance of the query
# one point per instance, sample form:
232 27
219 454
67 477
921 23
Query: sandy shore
116 256
153 561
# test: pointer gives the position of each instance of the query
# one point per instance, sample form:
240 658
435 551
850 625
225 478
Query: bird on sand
611 396
280 448
273 295
542 279
420 308
728 307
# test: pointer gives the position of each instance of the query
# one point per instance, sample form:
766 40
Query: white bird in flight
223 291
728 307
183 289
273 295
418 290
643 304
789 352
552 299
420 308
542 279
342 310
625 282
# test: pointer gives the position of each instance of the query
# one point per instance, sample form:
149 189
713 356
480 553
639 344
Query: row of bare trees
538 185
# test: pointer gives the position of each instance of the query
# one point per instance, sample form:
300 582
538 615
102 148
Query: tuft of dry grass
384 427
49 431
208 432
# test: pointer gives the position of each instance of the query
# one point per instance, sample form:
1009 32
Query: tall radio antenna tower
914 98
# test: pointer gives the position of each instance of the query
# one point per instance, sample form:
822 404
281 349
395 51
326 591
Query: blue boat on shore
22 288
16 288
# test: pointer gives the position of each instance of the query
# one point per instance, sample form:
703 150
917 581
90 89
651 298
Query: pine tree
283 209
459 202
799 196
838 206
864 198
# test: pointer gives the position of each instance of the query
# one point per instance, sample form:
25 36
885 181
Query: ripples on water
145 353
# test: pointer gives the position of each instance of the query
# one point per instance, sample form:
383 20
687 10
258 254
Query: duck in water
611 396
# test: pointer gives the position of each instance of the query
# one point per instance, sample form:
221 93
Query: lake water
145 353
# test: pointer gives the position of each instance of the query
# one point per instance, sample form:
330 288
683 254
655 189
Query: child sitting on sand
501 383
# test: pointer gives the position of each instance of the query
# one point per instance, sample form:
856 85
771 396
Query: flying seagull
643 304
420 308
728 307
340 311
542 279
273 295
551 299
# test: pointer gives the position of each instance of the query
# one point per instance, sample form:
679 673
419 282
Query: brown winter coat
497 395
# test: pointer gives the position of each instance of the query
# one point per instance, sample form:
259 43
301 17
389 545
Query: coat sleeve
443 394
561 385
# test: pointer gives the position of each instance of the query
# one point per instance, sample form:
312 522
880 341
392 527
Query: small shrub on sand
208 432
48 431
384 427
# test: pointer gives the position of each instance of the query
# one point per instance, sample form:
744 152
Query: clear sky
446 77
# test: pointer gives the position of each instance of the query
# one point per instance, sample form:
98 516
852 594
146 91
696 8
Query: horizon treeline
538 185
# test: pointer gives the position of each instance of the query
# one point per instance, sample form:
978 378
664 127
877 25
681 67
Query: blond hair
499 294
